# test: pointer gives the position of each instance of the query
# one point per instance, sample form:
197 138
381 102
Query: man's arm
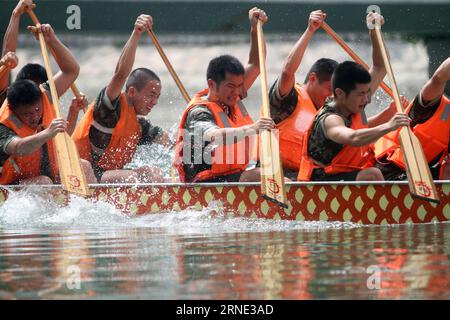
252 69
230 135
387 114
337 131
126 61
76 106
12 34
10 61
293 60
435 87
23 146
378 70
165 140
68 65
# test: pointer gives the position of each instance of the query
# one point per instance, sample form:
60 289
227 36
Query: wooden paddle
70 170
169 66
272 178
352 54
175 78
420 181
73 87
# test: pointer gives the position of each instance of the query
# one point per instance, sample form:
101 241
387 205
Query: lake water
90 250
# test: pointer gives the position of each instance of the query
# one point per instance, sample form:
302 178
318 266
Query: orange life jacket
292 130
220 155
348 159
28 166
125 137
433 135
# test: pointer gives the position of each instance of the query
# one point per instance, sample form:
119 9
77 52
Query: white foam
32 208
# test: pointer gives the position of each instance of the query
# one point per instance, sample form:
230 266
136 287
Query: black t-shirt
281 107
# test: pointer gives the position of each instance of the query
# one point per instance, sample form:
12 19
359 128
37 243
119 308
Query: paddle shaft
272 178
70 170
73 87
48 68
419 176
352 54
169 66
263 72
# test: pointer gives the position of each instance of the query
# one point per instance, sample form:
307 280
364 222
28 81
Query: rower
430 114
339 145
28 124
213 137
292 105
34 71
115 123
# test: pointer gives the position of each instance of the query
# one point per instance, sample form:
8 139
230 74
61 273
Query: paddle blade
70 170
420 181
272 177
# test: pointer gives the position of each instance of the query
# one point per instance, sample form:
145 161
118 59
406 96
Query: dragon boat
378 203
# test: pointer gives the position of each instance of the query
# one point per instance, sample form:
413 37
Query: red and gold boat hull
374 203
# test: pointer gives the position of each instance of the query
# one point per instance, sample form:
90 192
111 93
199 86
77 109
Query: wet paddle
421 184
272 178
169 66
70 170
352 54
73 87
175 78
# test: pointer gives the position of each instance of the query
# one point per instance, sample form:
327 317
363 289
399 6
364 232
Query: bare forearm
292 63
12 34
10 44
123 67
127 57
229 135
4 79
253 68
377 57
435 87
64 58
363 137
382 117
72 118
25 146
378 69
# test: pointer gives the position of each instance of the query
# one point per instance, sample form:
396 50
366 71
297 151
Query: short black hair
323 68
140 77
23 93
34 72
220 66
348 74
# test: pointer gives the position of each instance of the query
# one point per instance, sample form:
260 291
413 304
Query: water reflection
148 263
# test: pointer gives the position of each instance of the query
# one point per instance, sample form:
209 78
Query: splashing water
31 208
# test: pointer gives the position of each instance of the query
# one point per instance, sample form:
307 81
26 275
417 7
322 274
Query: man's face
357 99
229 90
30 114
144 100
320 91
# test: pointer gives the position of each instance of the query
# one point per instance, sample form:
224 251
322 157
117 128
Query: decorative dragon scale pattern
367 204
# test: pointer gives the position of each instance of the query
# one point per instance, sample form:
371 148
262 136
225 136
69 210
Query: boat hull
376 203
